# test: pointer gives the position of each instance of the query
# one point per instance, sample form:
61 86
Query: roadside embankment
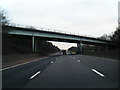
18 49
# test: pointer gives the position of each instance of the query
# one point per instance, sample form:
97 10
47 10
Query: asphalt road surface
63 71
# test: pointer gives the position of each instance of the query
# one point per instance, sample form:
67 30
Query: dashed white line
51 61
78 60
98 72
34 75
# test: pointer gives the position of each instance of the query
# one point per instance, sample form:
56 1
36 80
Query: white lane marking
51 61
21 64
110 59
78 60
34 75
10 67
98 72
114 60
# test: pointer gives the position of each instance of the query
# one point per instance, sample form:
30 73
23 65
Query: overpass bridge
54 36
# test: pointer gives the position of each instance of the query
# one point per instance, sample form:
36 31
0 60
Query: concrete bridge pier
34 44
79 47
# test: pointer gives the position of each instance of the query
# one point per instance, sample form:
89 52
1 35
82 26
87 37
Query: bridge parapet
53 36
47 29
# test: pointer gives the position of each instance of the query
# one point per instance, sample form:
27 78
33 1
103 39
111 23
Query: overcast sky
86 17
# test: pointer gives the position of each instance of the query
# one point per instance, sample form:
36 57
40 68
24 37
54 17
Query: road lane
108 67
22 73
72 71
66 72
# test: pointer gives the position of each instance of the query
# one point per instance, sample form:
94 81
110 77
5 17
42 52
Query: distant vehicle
64 52
72 53
68 52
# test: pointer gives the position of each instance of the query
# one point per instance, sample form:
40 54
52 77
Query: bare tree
105 37
3 17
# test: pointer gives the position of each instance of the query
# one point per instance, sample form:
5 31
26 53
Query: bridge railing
47 29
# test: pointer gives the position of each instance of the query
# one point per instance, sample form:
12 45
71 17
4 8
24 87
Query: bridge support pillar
34 44
79 47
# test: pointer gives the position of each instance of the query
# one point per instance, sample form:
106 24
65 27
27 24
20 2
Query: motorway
63 71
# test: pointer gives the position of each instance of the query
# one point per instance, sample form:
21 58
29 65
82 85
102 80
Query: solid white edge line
98 72
10 67
34 75
108 59
20 64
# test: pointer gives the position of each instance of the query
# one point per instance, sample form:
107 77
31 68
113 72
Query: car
72 53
